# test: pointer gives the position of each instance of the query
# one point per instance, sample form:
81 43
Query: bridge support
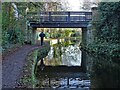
83 62
34 37
84 36
29 35
84 42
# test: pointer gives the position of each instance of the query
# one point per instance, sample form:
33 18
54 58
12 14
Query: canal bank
27 76
13 64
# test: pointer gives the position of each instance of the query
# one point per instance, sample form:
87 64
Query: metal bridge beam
60 19
59 25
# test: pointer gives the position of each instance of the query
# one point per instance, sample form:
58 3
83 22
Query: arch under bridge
61 19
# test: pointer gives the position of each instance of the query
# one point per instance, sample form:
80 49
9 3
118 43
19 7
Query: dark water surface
67 67
104 72
62 67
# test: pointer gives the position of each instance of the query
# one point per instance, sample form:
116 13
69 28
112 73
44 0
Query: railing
62 16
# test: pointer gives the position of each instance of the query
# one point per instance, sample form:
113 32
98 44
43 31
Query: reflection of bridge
59 19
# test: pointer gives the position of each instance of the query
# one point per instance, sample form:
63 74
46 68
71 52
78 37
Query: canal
65 66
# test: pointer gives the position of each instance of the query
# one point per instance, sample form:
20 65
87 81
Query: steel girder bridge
61 19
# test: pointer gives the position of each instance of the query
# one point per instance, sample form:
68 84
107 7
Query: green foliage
14 22
5 37
61 33
15 16
106 47
108 27
107 33
20 35
43 52
67 33
28 77
9 23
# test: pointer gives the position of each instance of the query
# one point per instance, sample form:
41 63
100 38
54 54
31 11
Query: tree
87 4
14 18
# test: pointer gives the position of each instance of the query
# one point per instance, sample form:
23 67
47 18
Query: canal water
62 68
67 67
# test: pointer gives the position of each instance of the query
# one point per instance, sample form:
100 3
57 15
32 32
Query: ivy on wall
107 33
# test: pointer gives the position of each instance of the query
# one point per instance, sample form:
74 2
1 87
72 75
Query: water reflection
104 72
41 64
64 82
64 53
62 67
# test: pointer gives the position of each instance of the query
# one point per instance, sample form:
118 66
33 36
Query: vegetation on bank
105 49
14 18
107 30
12 33
104 73
28 77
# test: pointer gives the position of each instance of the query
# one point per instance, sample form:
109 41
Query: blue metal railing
62 16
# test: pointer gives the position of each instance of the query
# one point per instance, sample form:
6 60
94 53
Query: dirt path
13 64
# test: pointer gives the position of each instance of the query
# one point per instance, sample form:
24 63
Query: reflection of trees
42 65
43 52
72 55
57 49
57 52
60 50
67 42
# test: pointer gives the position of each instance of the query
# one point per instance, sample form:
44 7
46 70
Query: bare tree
60 5
87 4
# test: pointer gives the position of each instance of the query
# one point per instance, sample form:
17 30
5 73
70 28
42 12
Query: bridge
61 19
58 19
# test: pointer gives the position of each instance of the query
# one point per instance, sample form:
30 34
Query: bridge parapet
59 19
60 16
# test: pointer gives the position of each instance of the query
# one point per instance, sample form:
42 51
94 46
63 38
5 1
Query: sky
75 4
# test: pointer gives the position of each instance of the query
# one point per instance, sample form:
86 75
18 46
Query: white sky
75 4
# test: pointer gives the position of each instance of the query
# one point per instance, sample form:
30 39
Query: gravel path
13 64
